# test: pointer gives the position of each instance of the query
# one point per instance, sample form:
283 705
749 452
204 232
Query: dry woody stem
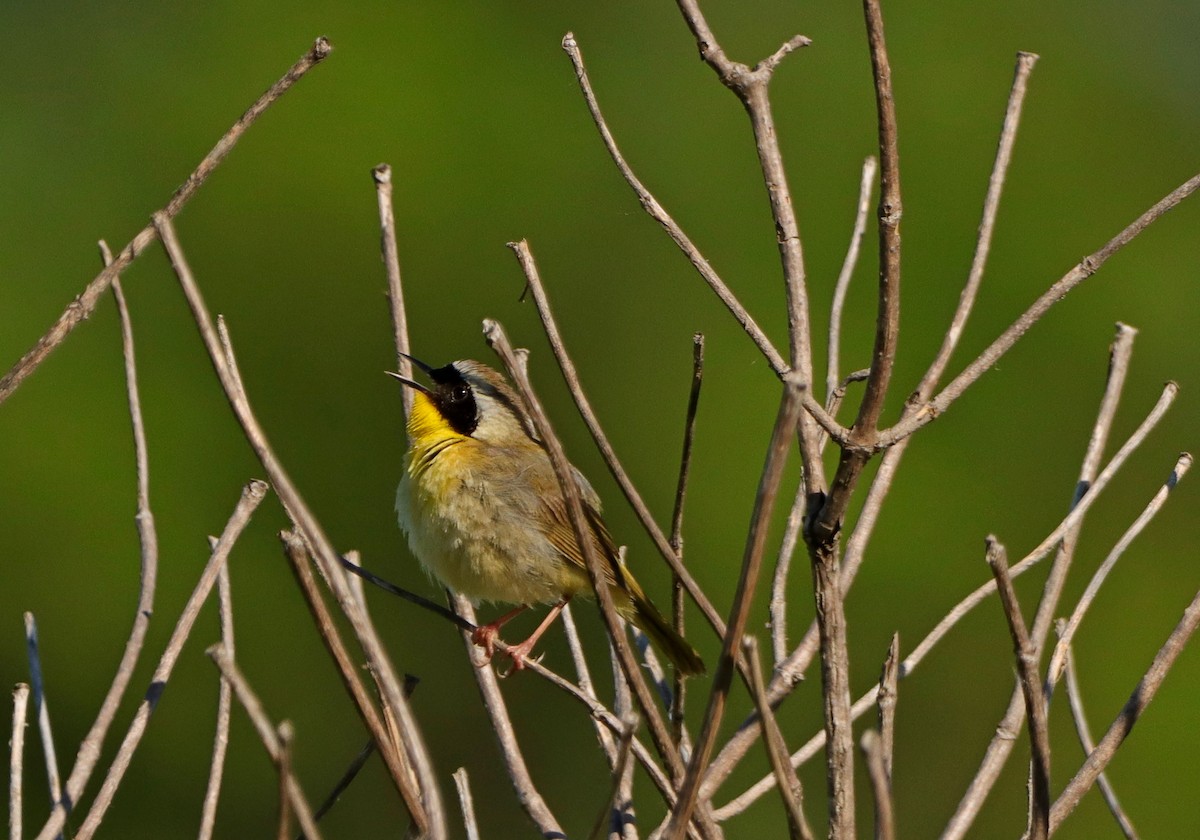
1031 687
83 306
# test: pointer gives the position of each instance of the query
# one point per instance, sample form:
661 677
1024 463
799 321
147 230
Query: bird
484 513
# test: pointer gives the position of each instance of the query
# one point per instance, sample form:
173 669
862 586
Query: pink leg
486 634
520 652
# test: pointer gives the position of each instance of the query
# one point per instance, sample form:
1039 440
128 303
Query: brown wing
562 537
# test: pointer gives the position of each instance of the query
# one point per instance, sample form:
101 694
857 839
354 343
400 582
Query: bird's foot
485 637
519 655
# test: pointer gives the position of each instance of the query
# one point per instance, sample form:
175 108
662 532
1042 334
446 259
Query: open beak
404 380
409 382
427 369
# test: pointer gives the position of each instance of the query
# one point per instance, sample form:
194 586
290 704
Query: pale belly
478 546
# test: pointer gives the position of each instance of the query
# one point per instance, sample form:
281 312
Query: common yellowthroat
482 508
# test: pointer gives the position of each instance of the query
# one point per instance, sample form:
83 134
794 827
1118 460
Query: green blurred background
107 108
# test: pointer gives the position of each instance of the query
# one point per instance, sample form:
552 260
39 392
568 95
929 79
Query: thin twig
1058 660
1149 685
462 784
269 736
886 701
777 605
939 632
785 775
1001 745
764 505
382 175
659 214
427 813
400 592
870 165
1085 268
353 560
285 733
835 687
208 814
678 590
348 669
536 287
16 761
751 87
1031 687
530 799
881 785
587 699
89 749
624 822
828 520
864 526
584 675
83 306
252 495
352 771
1075 700
983 243
567 367
616 806
41 709
496 338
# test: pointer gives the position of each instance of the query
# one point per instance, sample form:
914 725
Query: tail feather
651 622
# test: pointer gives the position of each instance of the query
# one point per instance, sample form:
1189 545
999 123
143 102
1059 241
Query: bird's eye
460 393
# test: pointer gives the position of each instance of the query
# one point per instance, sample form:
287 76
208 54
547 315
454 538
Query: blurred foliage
108 106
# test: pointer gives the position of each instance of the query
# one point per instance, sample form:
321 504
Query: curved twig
83 306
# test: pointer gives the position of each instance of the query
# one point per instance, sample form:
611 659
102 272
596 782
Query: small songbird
484 514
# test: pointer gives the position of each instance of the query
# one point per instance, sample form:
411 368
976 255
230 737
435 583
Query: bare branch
352 771
835 688
1031 687
463 784
659 214
843 281
1001 745
618 806
89 749
1099 758
208 813
751 88
1075 700
83 306
785 775
285 733
584 675
252 495
983 244
431 816
764 504
498 341
1089 265
269 736
777 606
536 287
16 761
886 701
394 758
1058 660
41 708
528 796
730 756
382 175
828 521
881 785
864 526
679 697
